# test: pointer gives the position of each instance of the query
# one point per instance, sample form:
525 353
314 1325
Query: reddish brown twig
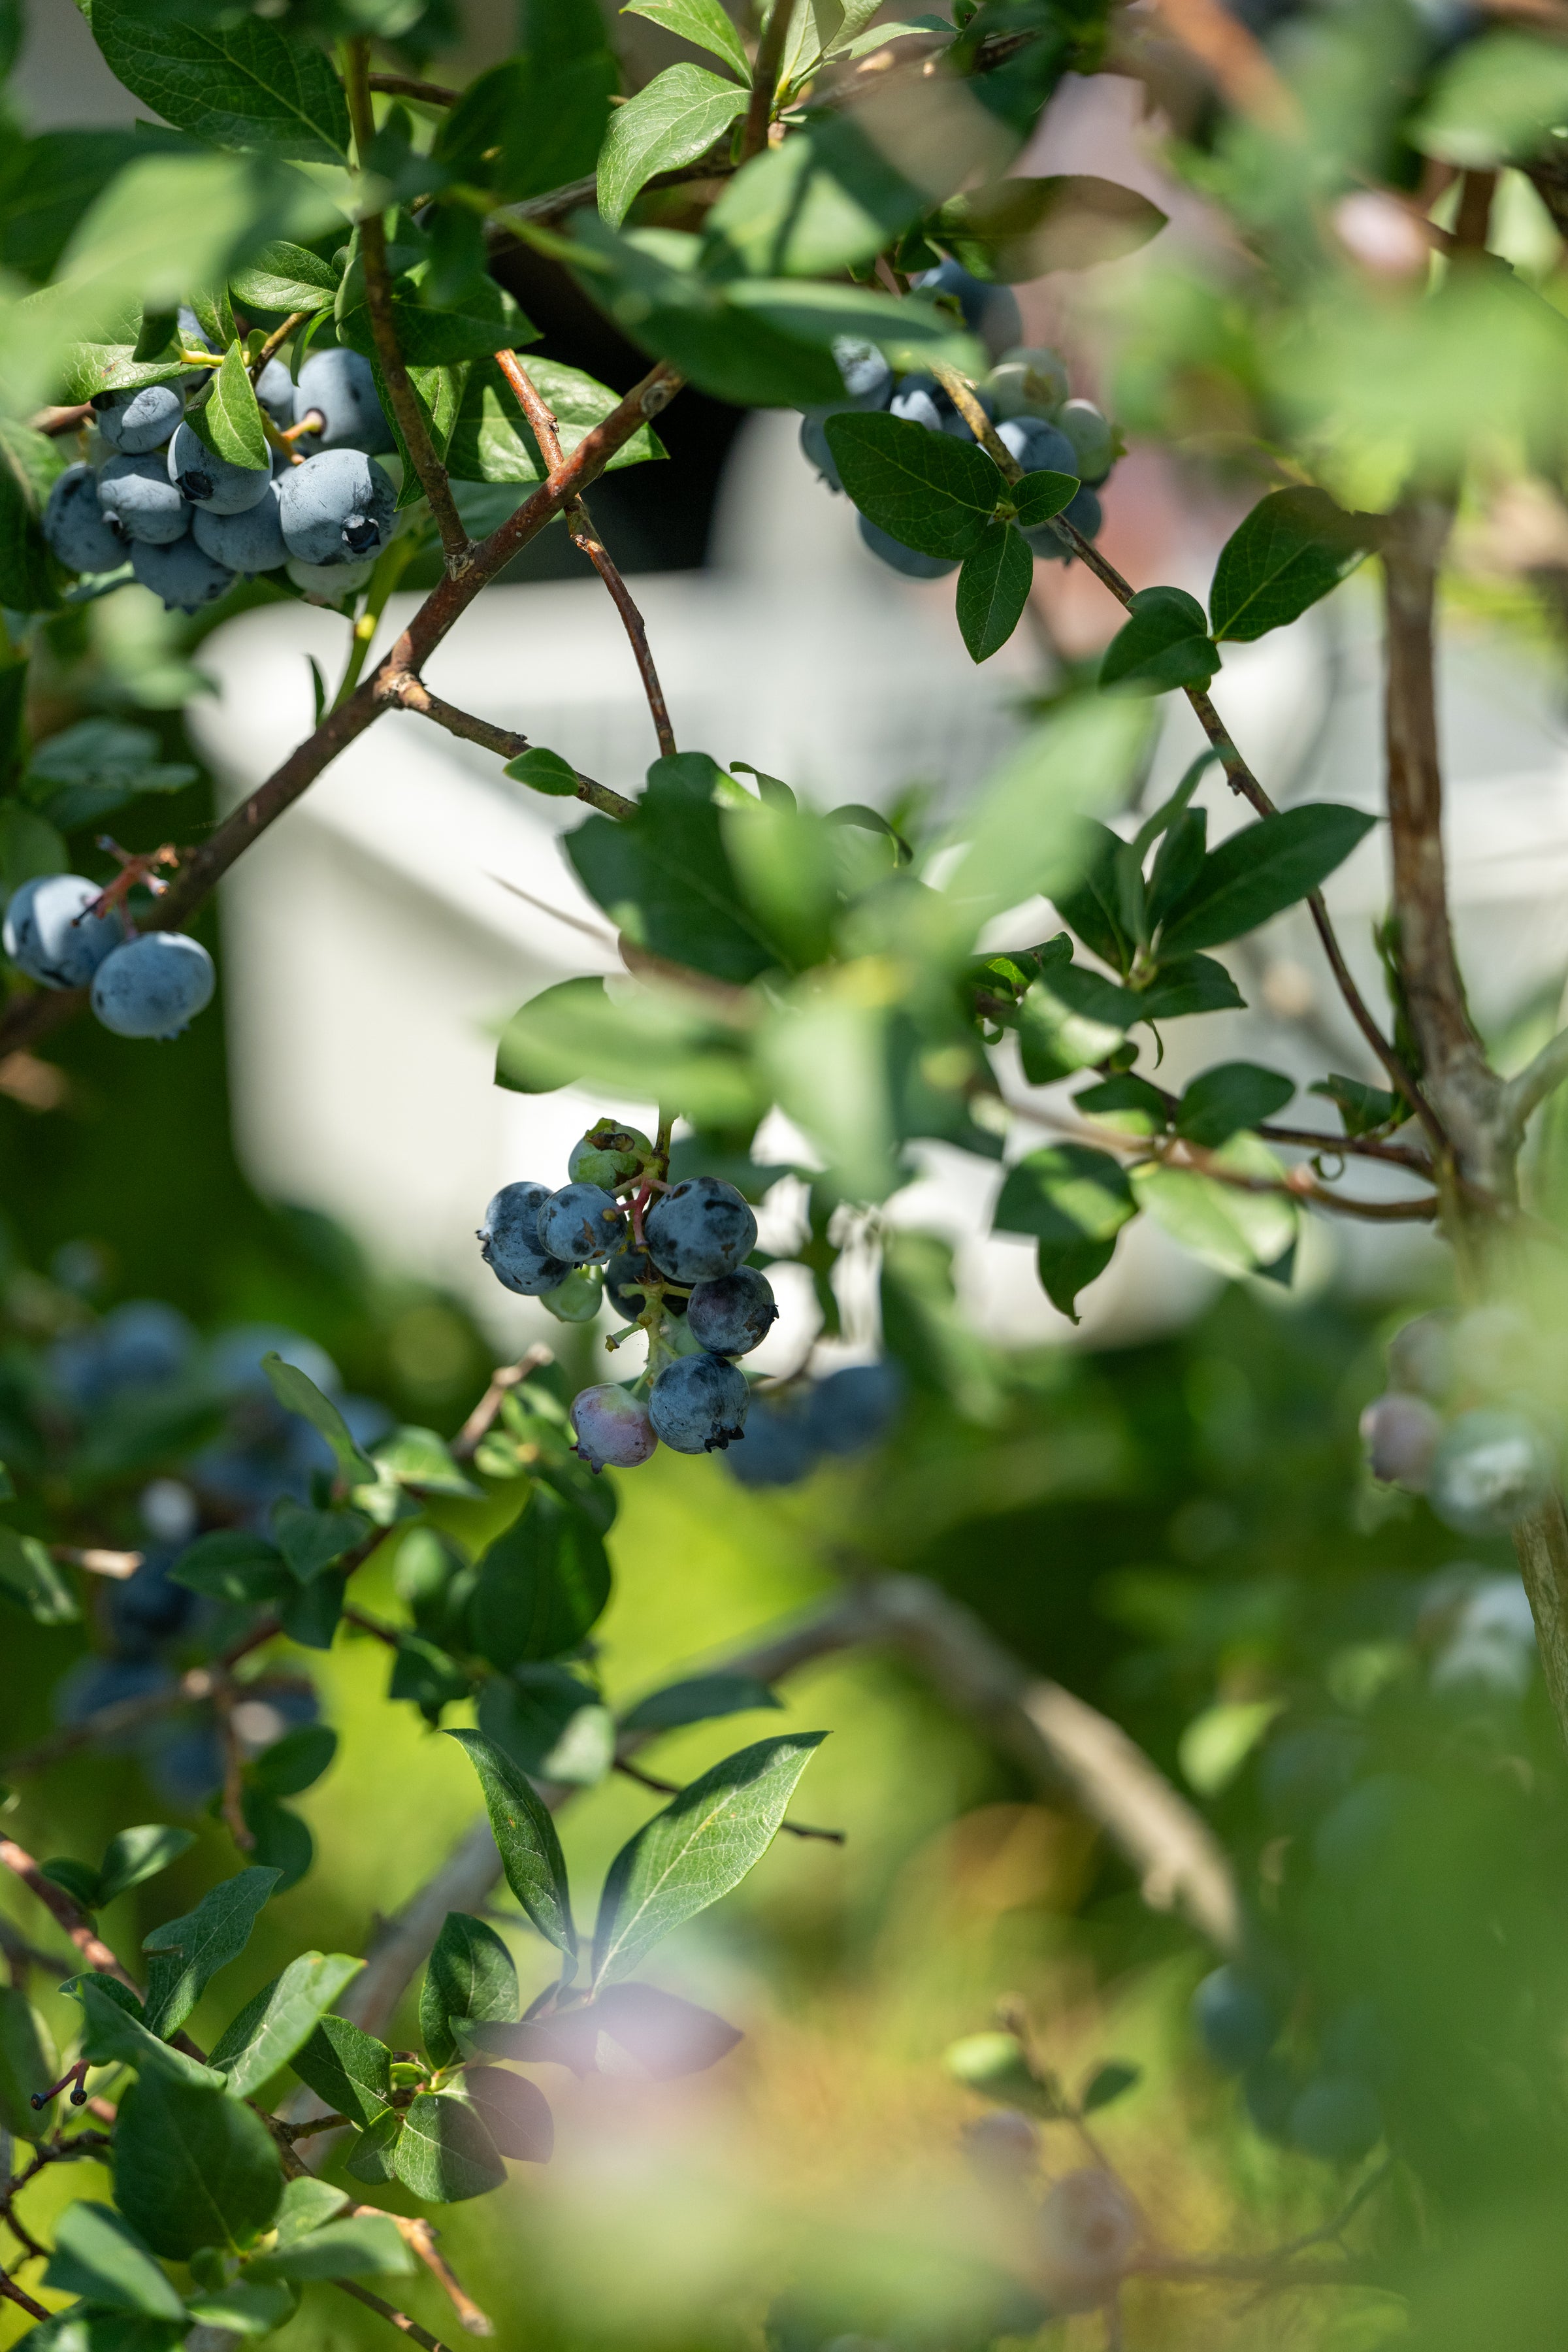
275 343
13 2294
56 420
136 866
411 693
70 1915
503 1380
390 2313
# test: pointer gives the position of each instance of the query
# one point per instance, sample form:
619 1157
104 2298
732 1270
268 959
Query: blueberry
145 420
610 1153
698 1403
854 1408
275 391
1336 2118
153 986
1039 447
142 1345
328 582
187 1768
582 1224
733 1313
701 1229
509 1243
1235 2018
906 559
205 479
251 541
1029 382
93 1683
191 337
1401 1435
49 935
336 507
148 1607
867 378
137 496
989 311
1421 1356
611 1427
340 385
75 526
630 1268
185 575
1091 436
814 441
235 1359
778 1449
918 402
1490 1470
1085 513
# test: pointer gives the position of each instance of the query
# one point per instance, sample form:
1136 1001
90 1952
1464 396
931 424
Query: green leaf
309 1615
99 2255
311 1540
664 878
992 589
1232 1096
483 320
137 1855
543 1719
307 2204
492 442
82 2327
420 1459
348 2068
544 771
1107 2082
1495 100
444 2152
929 491
47 184
115 2035
285 276
229 421
1017 228
1166 644
1053 1040
1292 548
1040 496
248 2306
295 1762
1025 832
280 2019
469 1974
79 1879
1191 983
29 462
364 2245
1129 1104
542 1586
827 199
672 121
698 1699
525 1835
297 1393
1261 871
1237 1231
554 134
697 1850
1074 1201
232 1565
281 1841
1362 1108
188 1953
192 2167
26 2070
666 1043
373 2154
702 21
29 1579
235 82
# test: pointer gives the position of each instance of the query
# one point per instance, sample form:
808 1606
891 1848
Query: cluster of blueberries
1481 1466
1026 396
191 521
61 930
1334 2114
685 1281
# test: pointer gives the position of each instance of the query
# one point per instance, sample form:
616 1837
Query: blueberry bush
260 349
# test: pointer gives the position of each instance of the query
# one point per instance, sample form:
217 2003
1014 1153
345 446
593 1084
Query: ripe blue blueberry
509 1243
74 524
137 496
867 378
918 401
626 1271
339 386
136 423
1040 448
813 440
1091 436
733 1313
582 1223
1336 2118
610 1426
906 559
205 479
1235 2020
50 936
148 1607
153 986
854 1408
778 1448
336 507
142 1345
275 391
328 584
989 311
1028 381
610 1153
185 575
698 1403
700 1230
248 543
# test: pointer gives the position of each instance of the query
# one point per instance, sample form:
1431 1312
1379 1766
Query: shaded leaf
311 1540
235 82
469 1974
1108 2083
1236 1230
668 2036
232 1565
664 877
25 2068
514 2111
347 2068
992 589
192 2167
1232 1095
29 1579
1293 547
137 1855
188 1952
444 2152
1361 1108
295 1392
295 1762
826 199
525 1835
1074 1201
286 277
698 1699
928 491
364 2245
671 121
1164 643
98 2254
1019 228
542 1584
1189 984
1261 871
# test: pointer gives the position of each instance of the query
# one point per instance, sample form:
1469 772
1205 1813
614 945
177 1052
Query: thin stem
1543 1076
429 93
412 694
405 402
546 431
421 2235
70 1915
276 340
13 2294
116 1564
677 1789
764 79
310 2127
390 2313
390 566
56 420
503 1380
